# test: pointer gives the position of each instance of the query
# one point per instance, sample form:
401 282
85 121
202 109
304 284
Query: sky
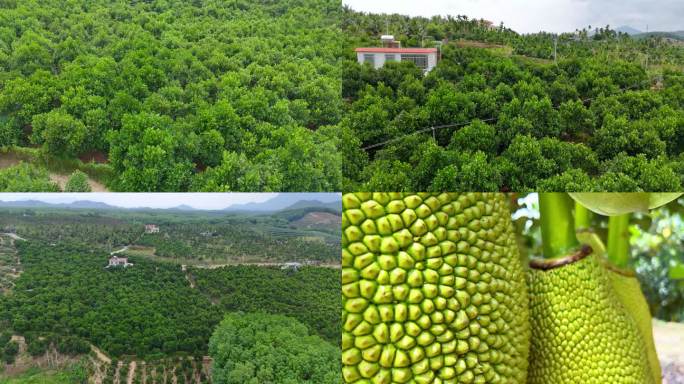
529 16
207 201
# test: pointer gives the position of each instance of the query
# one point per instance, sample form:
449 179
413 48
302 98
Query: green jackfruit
433 290
628 289
581 332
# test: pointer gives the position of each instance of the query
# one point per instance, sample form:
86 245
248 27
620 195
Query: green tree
259 348
26 178
10 351
78 182
60 133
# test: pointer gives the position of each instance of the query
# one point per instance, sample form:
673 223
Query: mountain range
281 202
677 35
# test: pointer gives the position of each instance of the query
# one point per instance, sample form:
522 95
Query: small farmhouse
391 51
116 261
291 266
151 228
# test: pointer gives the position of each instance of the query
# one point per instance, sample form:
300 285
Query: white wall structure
424 58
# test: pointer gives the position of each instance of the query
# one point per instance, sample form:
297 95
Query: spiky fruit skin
581 333
433 290
629 292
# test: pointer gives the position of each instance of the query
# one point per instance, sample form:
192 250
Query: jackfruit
581 332
628 289
433 290
626 286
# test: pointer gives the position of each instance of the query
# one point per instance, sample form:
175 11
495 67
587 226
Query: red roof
398 50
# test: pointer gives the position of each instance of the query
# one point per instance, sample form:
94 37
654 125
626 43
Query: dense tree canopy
260 349
310 295
145 310
596 120
178 95
66 297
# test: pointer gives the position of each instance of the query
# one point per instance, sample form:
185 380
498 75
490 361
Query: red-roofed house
424 58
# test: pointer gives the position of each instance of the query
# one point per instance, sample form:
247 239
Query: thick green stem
583 217
618 240
557 224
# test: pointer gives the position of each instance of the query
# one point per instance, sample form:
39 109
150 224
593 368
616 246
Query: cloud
529 16
662 15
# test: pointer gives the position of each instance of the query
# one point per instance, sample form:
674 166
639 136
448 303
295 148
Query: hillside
501 113
171 96
149 320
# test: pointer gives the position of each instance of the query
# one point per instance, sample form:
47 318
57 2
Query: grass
36 376
101 173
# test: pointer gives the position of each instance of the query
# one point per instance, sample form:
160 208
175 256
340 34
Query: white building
424 58
115 261
291 266
151 228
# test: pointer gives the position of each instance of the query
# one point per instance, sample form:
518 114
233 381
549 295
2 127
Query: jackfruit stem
557 225
583 217
618 240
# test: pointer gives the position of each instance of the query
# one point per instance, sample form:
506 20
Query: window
390 57
421 61
369 58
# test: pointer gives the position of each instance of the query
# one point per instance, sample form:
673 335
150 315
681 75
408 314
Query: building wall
380 59
432 61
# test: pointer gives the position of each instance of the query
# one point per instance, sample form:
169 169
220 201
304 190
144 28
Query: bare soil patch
669 340
9 159
94 157
61 180
313 219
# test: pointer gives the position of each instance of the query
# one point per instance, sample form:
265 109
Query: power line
461 124
423 130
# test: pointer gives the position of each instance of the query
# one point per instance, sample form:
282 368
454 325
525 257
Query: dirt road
13 236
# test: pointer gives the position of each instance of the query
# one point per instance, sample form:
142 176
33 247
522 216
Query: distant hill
283 201
335 205
676 35
183 207
81 204
289 200
628 30
637 34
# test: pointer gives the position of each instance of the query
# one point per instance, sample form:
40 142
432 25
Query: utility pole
555 49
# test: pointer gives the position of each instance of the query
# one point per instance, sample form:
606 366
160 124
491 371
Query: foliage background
177 95
608 116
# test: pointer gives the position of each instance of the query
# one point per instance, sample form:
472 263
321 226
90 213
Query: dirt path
14 236
217 266
124 249
9 160
669 340
61 180
131 372
189 277
100 355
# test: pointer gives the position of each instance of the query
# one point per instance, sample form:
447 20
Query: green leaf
677 272
615 204
593 240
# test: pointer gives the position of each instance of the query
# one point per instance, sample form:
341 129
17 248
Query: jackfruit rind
433 290
628 289
581 333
